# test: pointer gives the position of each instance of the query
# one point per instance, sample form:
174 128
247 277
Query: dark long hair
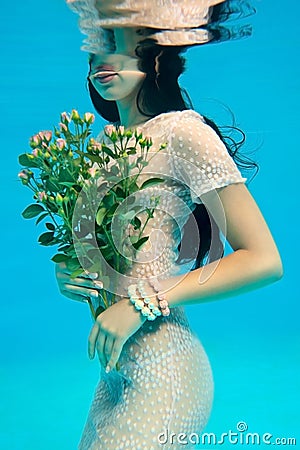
161 93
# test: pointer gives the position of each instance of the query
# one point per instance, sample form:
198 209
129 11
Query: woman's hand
112 329
78 288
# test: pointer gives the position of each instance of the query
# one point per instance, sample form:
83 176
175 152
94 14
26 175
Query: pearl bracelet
162 299
143 303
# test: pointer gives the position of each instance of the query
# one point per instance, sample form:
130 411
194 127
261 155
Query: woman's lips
105 76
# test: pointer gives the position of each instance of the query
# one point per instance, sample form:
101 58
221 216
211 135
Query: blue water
252 340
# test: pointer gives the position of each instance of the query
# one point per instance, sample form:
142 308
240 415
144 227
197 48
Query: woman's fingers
102 342
92 340
115 353
107 349
73 296
81 290
78 281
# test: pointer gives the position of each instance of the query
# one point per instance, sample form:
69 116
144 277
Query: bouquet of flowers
86 191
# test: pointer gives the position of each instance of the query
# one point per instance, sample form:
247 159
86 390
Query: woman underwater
165 386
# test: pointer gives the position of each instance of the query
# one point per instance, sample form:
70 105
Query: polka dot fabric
201 159
165 384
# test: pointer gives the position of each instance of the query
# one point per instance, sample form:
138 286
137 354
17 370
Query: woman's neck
130 116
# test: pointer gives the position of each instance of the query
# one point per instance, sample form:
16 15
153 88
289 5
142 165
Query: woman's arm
255 261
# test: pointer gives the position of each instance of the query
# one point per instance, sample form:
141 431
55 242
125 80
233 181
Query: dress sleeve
199 157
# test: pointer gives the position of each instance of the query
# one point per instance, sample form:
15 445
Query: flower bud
121 131
63 127
70 153
92 171
75 116
89 118
138 133
42 196
148 141
129 134
47 154
35 141
96 146
61 143
46 135
109 130
65 117
142 142
25 175
36 152
59 199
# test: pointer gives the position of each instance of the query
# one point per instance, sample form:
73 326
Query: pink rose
25 175
148 141
61 143
138 133
109 129
65 118
35 140
46 135
63 127
92 171
121 130
42 196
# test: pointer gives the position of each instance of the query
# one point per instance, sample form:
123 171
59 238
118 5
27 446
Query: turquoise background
252 340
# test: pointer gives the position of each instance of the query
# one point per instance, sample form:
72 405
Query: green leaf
50 186
32 211
107 252
67 183
133 187
94 158
131 150
109 199
50 226
65 176
129 215
137 245
112 209
65 248
39 219
112 178
73 264
99 310
108 151
59 257
100 215
24 160
120 193
46 238
114 170
76 273
136 223
151 182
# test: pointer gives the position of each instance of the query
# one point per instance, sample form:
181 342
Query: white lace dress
165 383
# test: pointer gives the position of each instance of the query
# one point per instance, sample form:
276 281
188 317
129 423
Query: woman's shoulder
172 119
176 117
